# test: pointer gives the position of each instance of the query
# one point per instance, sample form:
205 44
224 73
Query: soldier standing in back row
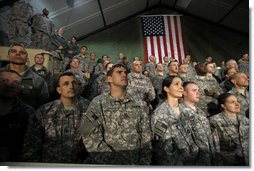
19 21
42 29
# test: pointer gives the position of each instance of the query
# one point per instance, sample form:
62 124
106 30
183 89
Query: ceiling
85 17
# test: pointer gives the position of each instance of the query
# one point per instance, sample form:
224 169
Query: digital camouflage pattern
233 139
53 136
173 142
116 132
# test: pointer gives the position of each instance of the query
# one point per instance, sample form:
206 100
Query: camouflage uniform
244 67
91 66
244 100
12 131
34 88
210 84
140 88
233 140
83 62
165 68
99 68
173 138
42 29
202 133
52 135
99 86
150 67
19 20
116 132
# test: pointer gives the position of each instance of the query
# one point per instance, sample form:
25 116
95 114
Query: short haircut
64 74
83 47
173 60
17 44
118 65
185 84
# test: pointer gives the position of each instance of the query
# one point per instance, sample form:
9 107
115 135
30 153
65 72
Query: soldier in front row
115 129
52 135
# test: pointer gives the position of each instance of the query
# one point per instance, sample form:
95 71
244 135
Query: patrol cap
118 65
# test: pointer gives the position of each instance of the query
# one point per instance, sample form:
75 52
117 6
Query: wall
202 38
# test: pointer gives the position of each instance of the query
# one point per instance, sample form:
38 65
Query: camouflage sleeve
151 91
91 131
217 160
146 139
33 139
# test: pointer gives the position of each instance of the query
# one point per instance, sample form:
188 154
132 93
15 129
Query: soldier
226 84
101 65
165 64
115 129
173 141
173 67
231 63
52 135
150 67
34 88
42 71
231 131
91 64
73 46
42 29
60 44
14 116
139 86
75 69
240 84
19 21
184 74
199 124
100 85
244 64
209 90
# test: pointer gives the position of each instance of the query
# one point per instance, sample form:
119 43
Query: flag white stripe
174 37
167 36
162 47
156 52
148 46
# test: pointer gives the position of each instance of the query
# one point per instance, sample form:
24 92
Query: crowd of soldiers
115 113
111 113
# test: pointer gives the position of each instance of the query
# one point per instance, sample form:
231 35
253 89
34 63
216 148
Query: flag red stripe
165 46
152 46
170 38
145 50
177 41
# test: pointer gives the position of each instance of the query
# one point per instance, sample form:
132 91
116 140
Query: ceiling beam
102 14
231 10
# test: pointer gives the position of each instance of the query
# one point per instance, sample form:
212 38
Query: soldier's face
119 77
242 80
183 69
173 67
17 54
210 68
231 105
137 67
175 89
74 63
191 93
39 59
67 87
10 84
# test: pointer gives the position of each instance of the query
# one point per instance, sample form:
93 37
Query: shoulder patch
159 130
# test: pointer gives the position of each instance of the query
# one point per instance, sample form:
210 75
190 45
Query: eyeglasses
22 52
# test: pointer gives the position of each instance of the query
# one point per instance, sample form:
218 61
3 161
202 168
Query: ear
165 88
109 79
233 82
58 90
223 106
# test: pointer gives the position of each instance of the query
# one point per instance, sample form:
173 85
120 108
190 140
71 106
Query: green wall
202 38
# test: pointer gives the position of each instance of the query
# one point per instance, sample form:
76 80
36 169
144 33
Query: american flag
163 36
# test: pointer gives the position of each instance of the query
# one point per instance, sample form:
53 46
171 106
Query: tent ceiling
83 17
